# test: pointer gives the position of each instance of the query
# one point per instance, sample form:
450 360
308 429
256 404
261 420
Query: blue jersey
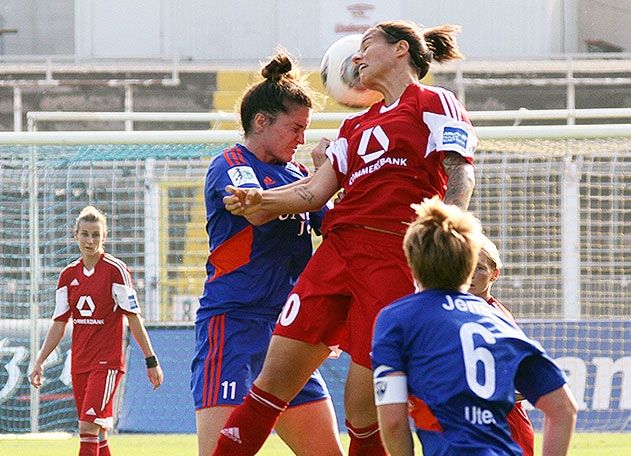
463 362
251 269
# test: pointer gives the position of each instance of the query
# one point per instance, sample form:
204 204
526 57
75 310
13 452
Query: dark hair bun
279 66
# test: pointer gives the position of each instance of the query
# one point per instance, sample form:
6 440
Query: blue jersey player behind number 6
253 265
453 362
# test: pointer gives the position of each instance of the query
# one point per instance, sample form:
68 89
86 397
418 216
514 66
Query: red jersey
388 157
96 300
520 426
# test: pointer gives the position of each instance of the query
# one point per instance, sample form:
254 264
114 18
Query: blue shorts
229 354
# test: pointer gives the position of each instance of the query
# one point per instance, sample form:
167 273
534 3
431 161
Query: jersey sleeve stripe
233 155
236 157
122 268
227 157
453 102
443 101
450 103
71 265
239 155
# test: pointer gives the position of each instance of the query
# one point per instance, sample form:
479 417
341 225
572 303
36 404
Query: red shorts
94 395
521 429
352 276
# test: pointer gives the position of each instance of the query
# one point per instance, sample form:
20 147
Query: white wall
44 26
251 29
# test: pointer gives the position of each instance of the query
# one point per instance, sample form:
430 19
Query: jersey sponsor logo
86 306
242 175
381 137
88 321
453 135
74 283
377 166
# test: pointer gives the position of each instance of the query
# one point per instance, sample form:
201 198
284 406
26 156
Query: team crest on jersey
242 175
458 136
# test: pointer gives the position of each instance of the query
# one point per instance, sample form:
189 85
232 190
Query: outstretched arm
139 332
268 204
53 337
559 408
461 180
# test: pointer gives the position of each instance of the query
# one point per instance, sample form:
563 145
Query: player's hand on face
35 377
155 375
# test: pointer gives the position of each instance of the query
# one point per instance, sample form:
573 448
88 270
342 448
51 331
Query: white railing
227 136
515 116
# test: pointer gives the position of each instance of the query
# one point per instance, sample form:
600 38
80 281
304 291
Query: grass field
185 445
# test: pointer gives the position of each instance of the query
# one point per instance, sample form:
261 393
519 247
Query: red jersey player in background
414 144
486 273
96 293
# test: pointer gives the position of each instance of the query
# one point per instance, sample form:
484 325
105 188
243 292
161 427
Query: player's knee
361 412
87 427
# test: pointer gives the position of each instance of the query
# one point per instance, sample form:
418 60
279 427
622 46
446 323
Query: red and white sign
345 17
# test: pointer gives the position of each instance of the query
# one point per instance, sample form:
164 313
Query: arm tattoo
461 180
304 194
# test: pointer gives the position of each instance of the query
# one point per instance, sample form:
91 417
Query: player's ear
402 47
495 275
260 121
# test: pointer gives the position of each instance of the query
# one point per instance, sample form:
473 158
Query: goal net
558 209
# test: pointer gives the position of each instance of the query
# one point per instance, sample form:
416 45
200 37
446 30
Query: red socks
250 424
365 441
89 445
104 448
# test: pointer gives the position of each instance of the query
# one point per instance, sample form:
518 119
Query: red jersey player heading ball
415 143
95 292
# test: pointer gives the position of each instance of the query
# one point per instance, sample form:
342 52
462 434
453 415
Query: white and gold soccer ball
341 77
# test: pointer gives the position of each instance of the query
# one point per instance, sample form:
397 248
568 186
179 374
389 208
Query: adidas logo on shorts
91 411
232 433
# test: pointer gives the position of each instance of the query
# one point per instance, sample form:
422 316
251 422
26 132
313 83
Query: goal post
555 199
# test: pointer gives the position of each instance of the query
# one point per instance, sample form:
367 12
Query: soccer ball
341 77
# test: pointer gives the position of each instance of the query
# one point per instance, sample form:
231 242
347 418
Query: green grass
185 445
